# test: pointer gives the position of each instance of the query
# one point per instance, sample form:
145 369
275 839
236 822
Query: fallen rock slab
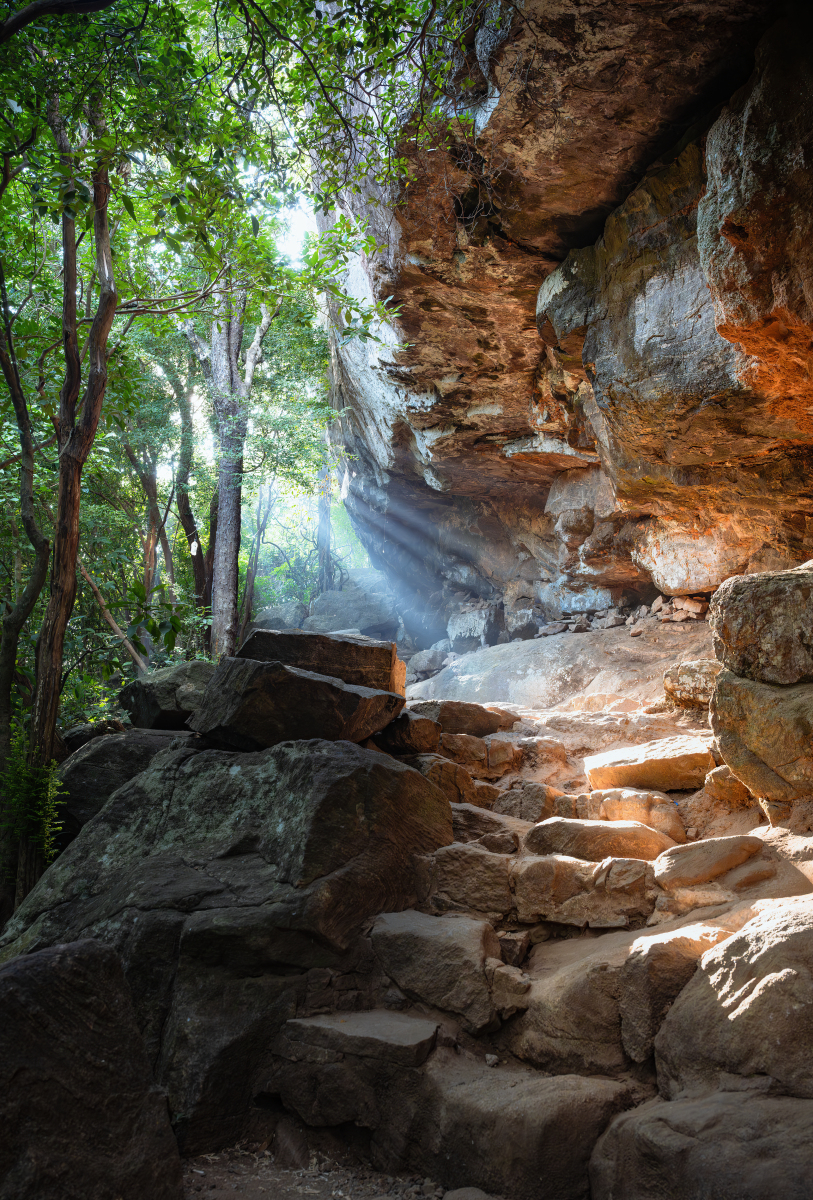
764 735
746 1010
761 625
605 895
595 840
362 661
395 1037
457 716
440 961
654 809
452 779
80 1117
670 765
728 1144
165 699
698 862
690 684
410 733
251 705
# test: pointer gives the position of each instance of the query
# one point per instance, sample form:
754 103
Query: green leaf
128 204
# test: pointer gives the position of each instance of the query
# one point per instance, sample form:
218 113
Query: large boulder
654 809
165 699
251 705
440 961
762 625
747 1009
289 615
80 1117
698 862
764 735
223 879
595 840
725 1146
668 765
361 661
365 602
79 735
95 771
604 895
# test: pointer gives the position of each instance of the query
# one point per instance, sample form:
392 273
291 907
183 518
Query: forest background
165 418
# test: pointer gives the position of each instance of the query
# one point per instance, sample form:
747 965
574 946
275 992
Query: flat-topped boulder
165 699
362 661
251 705
440 961
669 765
459 716
410 733
698 862
80 1115
379 1033
651 808
595 840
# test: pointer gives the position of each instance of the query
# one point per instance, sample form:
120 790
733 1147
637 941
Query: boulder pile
514 946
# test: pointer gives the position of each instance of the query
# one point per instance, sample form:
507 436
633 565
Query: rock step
379 1033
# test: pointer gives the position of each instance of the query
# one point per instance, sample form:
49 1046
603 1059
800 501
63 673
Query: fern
31 797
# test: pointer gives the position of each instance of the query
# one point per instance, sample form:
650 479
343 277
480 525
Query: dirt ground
256 1176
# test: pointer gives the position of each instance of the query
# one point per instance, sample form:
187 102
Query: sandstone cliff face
652 424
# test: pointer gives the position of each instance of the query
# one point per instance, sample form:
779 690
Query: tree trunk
323 534
75 442
263 513
225 575
15 617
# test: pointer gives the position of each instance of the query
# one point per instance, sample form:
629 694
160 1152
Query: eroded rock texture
659 431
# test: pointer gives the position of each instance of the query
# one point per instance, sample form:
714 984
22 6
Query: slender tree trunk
323 532
15 617
263 513
75 441
107 616
226 575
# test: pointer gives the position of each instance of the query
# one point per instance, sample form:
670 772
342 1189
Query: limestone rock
251 705
605 895
764 735
698 862
761 625
746 1011
654 809
92 773
690 684
80 1118
595 840
653 975
670 765
362 661
458 717
165 699
727 1144
473 627
222 879
452 779
441 961
410 733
